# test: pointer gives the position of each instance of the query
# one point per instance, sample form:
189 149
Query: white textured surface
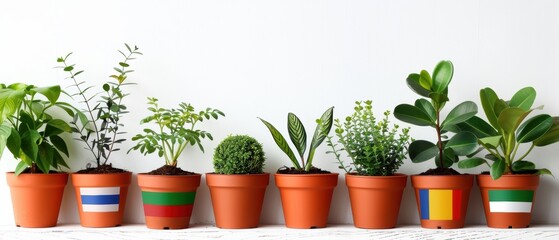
277 232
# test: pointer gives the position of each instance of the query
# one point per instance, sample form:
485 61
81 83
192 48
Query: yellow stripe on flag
440 204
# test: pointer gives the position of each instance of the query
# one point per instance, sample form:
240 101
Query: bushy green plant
445 151
175 130
375 149
298 137
239 154
507 130
30 130
99 125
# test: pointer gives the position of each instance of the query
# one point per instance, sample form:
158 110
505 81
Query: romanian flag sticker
100 199
440 204
511 201
168 204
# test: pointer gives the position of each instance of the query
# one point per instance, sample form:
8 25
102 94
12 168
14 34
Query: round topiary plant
239 154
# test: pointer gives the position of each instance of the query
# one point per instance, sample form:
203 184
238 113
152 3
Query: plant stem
440 142
527 152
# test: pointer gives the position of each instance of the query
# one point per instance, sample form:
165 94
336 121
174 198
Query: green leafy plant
375 149
99 125
507 130
239 154
30 130
446 150
176 130
299 138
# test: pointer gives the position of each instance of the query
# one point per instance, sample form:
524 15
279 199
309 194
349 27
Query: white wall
267 58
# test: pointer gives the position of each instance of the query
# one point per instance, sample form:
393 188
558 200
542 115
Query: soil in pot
36 198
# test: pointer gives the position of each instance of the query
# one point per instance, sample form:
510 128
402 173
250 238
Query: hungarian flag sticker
511 201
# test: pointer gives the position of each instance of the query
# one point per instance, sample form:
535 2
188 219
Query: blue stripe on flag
424 203
100 199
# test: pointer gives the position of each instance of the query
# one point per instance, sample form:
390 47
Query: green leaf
425 80
491 142
320 133
510 119
520 166
59 143
123 64
524 98
427 108
297 133
442 75
21 166
478 126
106 87
497 169
439 99
471 162
534 128
68 68
14 141
282 144
463 143
551 136
449 158
10 101
461 113
44 157
5 133
56 126
51 93
421 151
29 143
412 114
544 171
415 85
488 98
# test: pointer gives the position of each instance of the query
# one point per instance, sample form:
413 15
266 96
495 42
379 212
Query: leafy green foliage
374 147
428 113
507 129
176 130
239 154
98 125
298 137
29 130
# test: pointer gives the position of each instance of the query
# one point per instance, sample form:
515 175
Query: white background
267 58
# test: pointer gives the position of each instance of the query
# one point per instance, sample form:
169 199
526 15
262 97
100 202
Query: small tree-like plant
239 154
375 149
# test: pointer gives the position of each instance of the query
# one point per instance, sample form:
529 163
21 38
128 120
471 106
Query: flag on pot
100 199
511 201
168 204
440 204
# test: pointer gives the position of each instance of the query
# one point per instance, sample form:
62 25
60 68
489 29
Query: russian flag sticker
100 199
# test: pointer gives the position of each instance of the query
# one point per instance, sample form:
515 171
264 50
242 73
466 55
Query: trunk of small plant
439 142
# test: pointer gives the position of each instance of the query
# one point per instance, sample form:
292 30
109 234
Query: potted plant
168 192
31 131
376 151
306 191
509 190
442 193
101 189
238 185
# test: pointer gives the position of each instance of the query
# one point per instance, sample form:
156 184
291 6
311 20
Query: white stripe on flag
100 191
510 207
100 208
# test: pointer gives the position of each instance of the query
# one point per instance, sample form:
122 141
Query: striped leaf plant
507 130
298 137
427 110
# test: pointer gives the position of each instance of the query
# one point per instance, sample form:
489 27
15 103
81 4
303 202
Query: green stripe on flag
511 195
168 198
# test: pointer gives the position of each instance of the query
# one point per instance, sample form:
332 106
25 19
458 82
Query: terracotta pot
375 200
168 199
442 201
306 198
101 198
237 199
508 201
36 198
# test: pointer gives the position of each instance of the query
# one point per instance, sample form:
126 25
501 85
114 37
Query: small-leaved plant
507 130
375 148
30 129
176 130
298 137
99 125
427 110
239 154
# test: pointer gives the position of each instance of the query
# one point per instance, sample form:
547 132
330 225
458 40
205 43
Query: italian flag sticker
511 201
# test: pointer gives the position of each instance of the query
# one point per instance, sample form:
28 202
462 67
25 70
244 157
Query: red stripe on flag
456 204
167 211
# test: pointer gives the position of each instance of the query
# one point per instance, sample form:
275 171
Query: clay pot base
166 223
